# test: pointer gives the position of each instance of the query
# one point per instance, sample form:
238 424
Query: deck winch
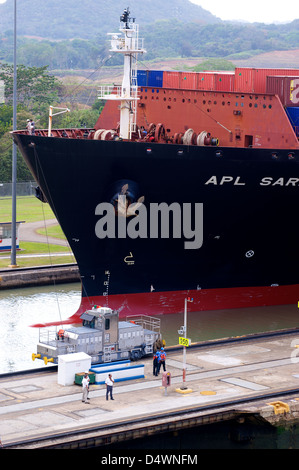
157 133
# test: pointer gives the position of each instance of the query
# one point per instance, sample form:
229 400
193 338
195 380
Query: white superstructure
127 43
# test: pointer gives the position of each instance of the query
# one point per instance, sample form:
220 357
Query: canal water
21 308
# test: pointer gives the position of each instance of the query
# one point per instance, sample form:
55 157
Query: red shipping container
254 80
224 81
210 81
287 88
260 77
171 79
244 80
205 81
188 80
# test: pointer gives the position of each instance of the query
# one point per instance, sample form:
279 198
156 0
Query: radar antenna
125 17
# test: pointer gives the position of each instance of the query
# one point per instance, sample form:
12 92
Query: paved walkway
28 233
34 406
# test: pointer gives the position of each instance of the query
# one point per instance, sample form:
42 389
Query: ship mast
127 43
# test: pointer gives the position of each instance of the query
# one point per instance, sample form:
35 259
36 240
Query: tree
35 86
5 118
36 90
214 64
23 174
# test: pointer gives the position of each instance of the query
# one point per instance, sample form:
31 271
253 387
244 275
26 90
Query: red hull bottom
155 303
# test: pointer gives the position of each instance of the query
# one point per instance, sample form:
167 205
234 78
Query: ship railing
115 92
52 336
131 43
78 133
146 322
47 335
106 92
135 46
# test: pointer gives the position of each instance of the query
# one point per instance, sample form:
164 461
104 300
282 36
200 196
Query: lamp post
14 150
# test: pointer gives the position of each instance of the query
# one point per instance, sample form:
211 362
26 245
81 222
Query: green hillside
66 19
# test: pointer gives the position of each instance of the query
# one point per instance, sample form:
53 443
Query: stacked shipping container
293 115
152 78
220 81
284 82
252 80
287 88
224 81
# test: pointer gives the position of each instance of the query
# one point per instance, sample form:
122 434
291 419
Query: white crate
71 364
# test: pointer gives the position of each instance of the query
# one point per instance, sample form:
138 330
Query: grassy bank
54 231
39 254
38 261
30 209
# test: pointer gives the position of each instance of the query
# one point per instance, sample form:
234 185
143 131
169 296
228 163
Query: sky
262 11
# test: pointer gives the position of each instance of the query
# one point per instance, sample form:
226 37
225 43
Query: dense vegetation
37 89
221 40
162 39
59 20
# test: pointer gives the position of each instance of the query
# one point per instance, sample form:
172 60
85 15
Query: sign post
184 341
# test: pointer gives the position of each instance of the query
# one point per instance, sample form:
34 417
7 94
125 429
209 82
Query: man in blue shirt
161 360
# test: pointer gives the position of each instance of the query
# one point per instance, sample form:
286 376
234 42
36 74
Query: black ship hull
240 251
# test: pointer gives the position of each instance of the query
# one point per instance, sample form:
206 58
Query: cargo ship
187 186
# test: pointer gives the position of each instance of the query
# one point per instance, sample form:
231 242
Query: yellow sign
184 341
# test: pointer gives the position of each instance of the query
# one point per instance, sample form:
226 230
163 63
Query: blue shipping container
155 78
293 115
142 77
151 78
